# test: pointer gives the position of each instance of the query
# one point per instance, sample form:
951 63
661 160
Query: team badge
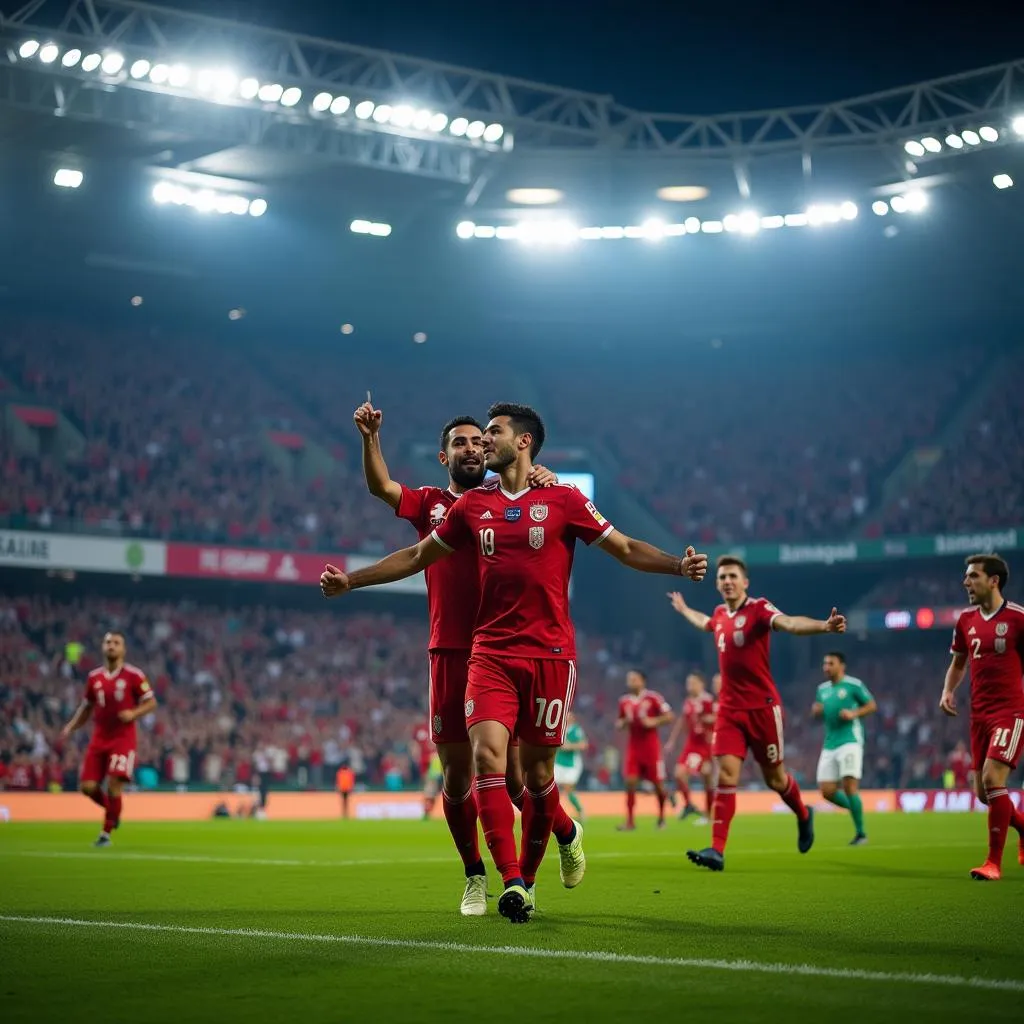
738 639
1001 628
469 708
598 518
1000 646
536 537
538 513
437 514
741 621
841 694
437 725
513 514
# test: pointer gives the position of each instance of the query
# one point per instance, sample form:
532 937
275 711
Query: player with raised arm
643 712
522 671
750 715
698 720
843 701
989 636
453 595
115 698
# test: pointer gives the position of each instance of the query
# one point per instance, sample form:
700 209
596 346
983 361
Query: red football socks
538 816
563 828
630 807
1017 821
518 799
723 810
498 820
113 818
97 796
1000 813
462 817
793 799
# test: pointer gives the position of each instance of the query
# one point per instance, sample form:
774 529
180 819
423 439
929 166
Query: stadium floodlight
692 225
322 101
556 232
71 58
28 49
475 130
848 210
988 134
163 192
364 110
916 201
204 81
458 127
380 230
367 227
749 222
485 231
611 231
224 83
67 177
270 92
533 196
914 148
419 337
1018 125
796 220
340 104
421 119
291 96
179 75
493 133
112 63
49 53
347 329
257 208
712 227
1002 181
465 229
506 232
248 88
402 115
773 222
879 207
899 204
821 213
438 122
932 145
382 113
159 73
652 230
972 138
954 142
139 69
91 62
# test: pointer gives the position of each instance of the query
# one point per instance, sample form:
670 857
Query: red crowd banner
250 564
947 801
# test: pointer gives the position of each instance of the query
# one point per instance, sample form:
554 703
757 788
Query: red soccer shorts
695 756
998 737
759 730
107 757
529 696
646 765
449 671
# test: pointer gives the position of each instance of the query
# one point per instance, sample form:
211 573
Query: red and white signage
946 801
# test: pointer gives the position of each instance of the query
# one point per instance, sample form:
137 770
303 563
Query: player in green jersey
569 762
842 701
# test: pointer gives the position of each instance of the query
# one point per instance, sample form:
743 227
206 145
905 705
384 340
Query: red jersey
523 545
453 588
647 704
421 735
742 638
994 645
111 694
960 766
696 711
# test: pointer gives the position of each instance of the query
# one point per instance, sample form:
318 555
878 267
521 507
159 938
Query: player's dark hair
524 421
117 632
838 655
991 565
699 675
732 560
640 672
458 421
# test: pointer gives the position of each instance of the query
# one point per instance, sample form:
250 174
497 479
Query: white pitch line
585 956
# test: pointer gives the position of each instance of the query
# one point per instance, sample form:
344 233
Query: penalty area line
576 955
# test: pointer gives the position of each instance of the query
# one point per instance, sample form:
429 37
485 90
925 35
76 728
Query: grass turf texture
359 921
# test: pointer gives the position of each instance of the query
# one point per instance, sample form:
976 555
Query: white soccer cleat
474 899
572 861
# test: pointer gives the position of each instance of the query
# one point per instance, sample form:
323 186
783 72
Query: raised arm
695 618
82 715
375 469
954 677
644 557
399 565
801 625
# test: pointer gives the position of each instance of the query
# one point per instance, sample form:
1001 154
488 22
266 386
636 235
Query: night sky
669 55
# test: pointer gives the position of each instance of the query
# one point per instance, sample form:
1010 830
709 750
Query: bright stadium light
652 230
879 207
954 142
419 337
49 53
773 222
382 113
139 69
556 232
848 210
712 227
587 234
916 201
256 208
66 177
322 101
475 130
971 138
380 230
112 63
163 192
611 231
988 134
248 88
932 145
465 229
796 220
290 97
340 104
438 122
485 231
459 127
179 75
822 214
367 227
914 148
28 49
692 225
159 73
91 62
1018 125
899 204
1002 181
71 58
270 92
493 133
533 196
402 115
364 110
421 119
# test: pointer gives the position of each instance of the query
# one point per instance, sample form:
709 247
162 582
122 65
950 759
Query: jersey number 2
976 647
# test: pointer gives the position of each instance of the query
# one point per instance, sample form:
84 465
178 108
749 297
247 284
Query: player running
522 671
990 636
843 701
643 712
698 721
750 715
453 594
569 763
115 697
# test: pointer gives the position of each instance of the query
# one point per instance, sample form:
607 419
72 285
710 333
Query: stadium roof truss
541 119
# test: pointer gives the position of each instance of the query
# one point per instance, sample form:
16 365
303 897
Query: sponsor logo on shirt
536 537
598 518
487 514
513 514
538 513
971 631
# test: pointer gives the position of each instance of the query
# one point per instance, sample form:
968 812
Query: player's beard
500 457
467 477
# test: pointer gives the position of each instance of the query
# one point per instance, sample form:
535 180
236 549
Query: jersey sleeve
768 613
89 694
141 688
959 642
659 705
622 707
818 694
583 520
411 505
863 694
454 532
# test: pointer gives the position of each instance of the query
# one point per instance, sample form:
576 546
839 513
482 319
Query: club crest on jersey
513 514
1001 628
741 621
538 513
437 514
437 725
536 537
469 708
1000 645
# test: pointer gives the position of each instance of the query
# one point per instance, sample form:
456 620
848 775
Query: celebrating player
115 698
842 701
569 762
453 594
522 671
642 712
990 636
698 719
750 715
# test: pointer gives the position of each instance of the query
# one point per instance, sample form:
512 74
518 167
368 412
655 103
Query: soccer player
750 715
569 763
843 701
643 712
423 754
522 671
990 637
453 594
960 765
115 697
698 719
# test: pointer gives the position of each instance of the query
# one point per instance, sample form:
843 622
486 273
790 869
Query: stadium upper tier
191 440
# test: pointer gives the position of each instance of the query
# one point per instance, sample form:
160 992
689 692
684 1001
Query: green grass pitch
357 921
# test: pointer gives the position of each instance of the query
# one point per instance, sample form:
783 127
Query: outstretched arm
800 625
375 469
644 557
399 565
695 618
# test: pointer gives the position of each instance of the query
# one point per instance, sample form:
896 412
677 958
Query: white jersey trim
434 537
